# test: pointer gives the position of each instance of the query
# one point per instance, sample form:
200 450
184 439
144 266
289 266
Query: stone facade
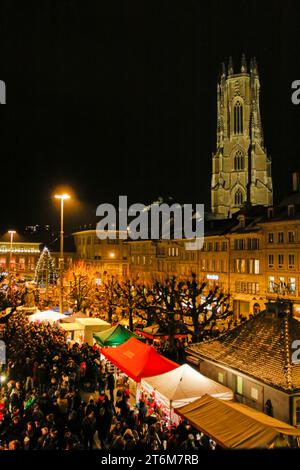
241 169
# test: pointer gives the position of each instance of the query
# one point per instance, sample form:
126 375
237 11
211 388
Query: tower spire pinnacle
243 64
223 70
230 66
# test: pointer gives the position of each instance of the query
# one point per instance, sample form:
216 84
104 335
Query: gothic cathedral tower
241 169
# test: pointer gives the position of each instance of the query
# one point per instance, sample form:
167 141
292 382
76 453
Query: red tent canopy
138 360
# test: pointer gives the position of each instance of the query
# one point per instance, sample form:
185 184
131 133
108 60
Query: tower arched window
239 161
238 198
238 117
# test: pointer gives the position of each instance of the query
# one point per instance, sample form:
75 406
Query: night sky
115 98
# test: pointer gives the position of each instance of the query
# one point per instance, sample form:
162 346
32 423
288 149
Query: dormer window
291 210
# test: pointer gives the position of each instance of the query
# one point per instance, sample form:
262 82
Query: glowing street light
62 198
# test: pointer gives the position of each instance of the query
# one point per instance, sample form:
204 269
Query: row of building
254 255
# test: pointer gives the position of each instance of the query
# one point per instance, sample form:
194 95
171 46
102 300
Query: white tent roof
47 316
184 385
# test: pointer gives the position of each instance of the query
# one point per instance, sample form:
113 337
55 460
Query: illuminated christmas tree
45 272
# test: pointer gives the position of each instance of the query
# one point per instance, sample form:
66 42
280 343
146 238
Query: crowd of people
58 395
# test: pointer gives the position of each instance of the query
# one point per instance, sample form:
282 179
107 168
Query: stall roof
46 316
184 385
114 336
74 317
233 425
74 326
92 321
138 360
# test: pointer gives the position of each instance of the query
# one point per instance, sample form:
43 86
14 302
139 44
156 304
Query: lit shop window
292 285
239 385
271 284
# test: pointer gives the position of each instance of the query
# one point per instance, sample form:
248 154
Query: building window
238 161
21 264
270 237
291 237
271 261
239 385
240 265
238 118
2 263
239 244
292 285
224 246
253 244
280 237
282 286
271 284
254 393
291 261
253 266
238 198
280 261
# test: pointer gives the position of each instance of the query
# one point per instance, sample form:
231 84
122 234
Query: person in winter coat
88 431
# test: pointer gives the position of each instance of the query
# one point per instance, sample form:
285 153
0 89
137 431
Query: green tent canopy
114 336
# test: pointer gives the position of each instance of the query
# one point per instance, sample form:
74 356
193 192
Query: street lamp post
11 233
62 198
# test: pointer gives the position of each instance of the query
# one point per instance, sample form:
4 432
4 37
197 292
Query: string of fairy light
45 267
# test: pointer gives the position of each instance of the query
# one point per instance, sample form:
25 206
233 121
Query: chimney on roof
242 220
296 181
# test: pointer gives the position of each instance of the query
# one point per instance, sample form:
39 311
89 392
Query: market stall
234 425
75 331
183 385
138 360
91 326
114 336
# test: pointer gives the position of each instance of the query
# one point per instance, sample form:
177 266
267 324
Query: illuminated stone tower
241 169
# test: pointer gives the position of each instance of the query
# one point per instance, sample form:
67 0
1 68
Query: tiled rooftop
260 347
